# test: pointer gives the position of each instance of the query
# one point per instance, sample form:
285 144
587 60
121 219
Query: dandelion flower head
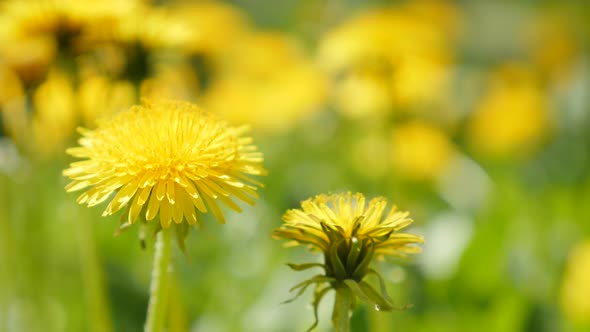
165 158
336 223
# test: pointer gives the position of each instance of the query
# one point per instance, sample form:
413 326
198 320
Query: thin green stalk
93 278
159 288
342 312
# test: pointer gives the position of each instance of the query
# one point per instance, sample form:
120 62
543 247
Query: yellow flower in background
350 233
575 290
420 151
552 42
45 130
54 117
150 27
265 80
213 26
512 119
100 97
396 57
176 81
164 159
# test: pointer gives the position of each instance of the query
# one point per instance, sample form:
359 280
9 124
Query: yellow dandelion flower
99 97
264 74
350 233
420 151
164 159
391 58
575 291
513 118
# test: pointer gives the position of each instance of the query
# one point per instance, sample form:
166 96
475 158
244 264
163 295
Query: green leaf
302 267
342 309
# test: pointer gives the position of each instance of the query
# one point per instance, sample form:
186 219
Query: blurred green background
472 115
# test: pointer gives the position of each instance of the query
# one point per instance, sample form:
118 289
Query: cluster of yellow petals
351 216
165 158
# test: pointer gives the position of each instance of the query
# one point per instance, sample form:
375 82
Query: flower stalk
159 287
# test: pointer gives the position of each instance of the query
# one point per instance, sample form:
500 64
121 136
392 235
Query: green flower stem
159 288
342 309
93 278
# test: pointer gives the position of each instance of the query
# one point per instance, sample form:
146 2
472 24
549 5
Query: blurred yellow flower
169 155
552 42
213 26
420 151
176 81
45 130
54 116
151 27
99 97
575 290
265 80
512 119
394 57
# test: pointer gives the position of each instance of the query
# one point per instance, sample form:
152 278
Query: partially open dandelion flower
164 159
350 233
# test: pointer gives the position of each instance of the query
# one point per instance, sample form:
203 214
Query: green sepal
361 268
302 286
338 268
182 231
366 293
318 295
356 225
302 267
381 285
121 228
332 234
384 291
356 246
342 308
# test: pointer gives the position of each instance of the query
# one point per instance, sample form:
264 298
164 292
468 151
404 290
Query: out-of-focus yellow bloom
54 117
395 57
575 291
165 159
177 81
44 131
31 57
33 32
213 26
265 80
420 151
512 118
100 97
148 26
12 104
552 41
